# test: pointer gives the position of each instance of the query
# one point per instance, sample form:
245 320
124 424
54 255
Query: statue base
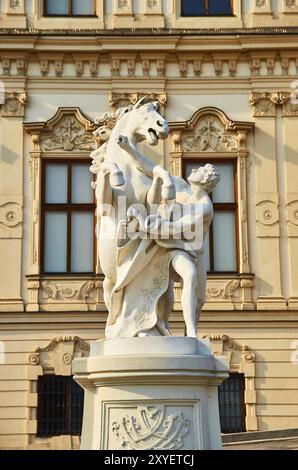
151 393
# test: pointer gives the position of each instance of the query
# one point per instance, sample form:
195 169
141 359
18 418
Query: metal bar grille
231 404
60 406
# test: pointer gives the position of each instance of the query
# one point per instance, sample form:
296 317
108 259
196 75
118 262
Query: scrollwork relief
65 292
265 103
69 135
59 353
151 427
229 342
210 136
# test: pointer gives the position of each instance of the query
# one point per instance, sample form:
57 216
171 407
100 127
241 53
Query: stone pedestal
151 393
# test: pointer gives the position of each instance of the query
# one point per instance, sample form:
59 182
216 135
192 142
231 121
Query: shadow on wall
8 156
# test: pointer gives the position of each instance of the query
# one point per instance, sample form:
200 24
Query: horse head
149 124
143 121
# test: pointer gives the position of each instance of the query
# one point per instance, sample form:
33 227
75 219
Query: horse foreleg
141 162
104 194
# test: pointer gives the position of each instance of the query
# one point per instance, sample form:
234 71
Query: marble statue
151 227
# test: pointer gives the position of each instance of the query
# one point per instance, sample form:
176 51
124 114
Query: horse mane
108 121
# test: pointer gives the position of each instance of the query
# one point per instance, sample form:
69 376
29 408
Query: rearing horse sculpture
123 174
138 286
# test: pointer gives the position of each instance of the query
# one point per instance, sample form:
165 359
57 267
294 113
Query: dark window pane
220 7
60 406
231 404
57 7
193 7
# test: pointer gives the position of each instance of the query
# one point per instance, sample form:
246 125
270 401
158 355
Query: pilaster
11 201
267 202
290 118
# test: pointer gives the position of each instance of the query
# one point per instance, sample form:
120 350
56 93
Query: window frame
220 207
70 11
69 208
206 14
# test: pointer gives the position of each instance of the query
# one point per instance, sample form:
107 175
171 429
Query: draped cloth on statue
138 303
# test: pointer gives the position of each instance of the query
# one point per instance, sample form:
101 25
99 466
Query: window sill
207 22
67 22
208 16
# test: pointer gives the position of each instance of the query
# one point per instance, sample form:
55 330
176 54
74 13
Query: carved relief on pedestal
11 219
240 359
151 428
118 100
267 215
14 104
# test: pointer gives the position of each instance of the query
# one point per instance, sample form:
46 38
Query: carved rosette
267 215
14 104
11 219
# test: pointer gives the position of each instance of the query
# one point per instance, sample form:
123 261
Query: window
68 212
231 404
206 7
69 7
221 243
60 406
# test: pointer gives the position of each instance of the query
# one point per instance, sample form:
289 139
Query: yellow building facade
226 82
